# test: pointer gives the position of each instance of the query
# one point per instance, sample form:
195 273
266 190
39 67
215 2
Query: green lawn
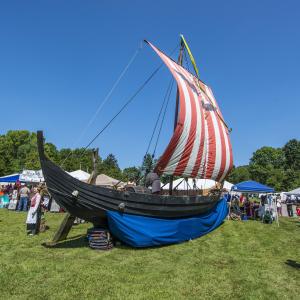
239 260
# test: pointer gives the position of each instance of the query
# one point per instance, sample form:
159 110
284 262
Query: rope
122 108
110 92
125 105
158 117
186 60
128 102
132 59
163 118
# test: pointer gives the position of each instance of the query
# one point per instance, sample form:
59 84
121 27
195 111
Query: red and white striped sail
200 146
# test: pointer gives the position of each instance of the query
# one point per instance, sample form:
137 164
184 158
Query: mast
179 61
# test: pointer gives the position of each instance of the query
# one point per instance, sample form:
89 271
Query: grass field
239 260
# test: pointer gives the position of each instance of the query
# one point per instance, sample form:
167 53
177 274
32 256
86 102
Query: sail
200 146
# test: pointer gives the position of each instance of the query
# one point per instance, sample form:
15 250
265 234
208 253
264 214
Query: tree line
276 167
18 151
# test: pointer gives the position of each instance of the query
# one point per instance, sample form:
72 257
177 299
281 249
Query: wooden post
68 221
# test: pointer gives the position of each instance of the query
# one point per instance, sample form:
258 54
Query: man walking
24 197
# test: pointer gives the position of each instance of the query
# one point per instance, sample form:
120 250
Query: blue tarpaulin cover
140 231
252 186
10 178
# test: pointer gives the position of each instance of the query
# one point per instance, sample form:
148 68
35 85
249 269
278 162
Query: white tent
80 175
107 181
227 185
295 192
32 176
198 184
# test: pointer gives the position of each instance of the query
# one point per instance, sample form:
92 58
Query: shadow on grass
293 263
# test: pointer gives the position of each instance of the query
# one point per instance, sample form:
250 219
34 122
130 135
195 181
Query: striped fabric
200 146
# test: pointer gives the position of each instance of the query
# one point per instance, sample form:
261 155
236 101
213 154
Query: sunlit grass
239 260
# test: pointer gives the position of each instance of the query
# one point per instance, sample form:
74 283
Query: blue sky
59 59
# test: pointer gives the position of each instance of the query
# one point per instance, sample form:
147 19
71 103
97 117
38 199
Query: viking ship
199 148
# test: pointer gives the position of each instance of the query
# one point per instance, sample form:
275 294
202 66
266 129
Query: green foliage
148 163
110 167
18 151
276 167
239 174
292 154
131 174
268 156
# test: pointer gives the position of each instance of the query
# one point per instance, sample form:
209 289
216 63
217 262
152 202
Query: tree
266 166
239 174
277 167
148 163
110 167
131 174
268 156
291 152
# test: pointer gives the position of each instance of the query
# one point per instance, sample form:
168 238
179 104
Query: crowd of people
33 199
264 208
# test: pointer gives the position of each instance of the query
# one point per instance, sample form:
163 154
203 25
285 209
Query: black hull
92 201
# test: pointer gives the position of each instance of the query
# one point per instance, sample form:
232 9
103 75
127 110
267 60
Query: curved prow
40 144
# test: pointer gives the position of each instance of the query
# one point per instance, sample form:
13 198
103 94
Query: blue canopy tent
251 187
10 178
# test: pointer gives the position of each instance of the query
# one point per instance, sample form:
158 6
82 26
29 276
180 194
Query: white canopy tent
295 192
197 184
80 175
32 176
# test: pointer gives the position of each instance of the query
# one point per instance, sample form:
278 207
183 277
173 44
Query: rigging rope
159 114
105 100
124 106
163 118
186 60
111 91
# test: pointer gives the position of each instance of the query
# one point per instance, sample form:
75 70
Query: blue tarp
10 178
139 231
251 186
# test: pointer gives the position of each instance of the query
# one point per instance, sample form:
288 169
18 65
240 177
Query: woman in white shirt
34 213
279 206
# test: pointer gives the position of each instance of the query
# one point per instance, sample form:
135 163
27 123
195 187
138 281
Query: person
153 179
289 206
279 206
24 196
34 213
298 210
247 205
263 199
269 200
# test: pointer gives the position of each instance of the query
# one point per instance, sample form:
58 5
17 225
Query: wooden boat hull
90 202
